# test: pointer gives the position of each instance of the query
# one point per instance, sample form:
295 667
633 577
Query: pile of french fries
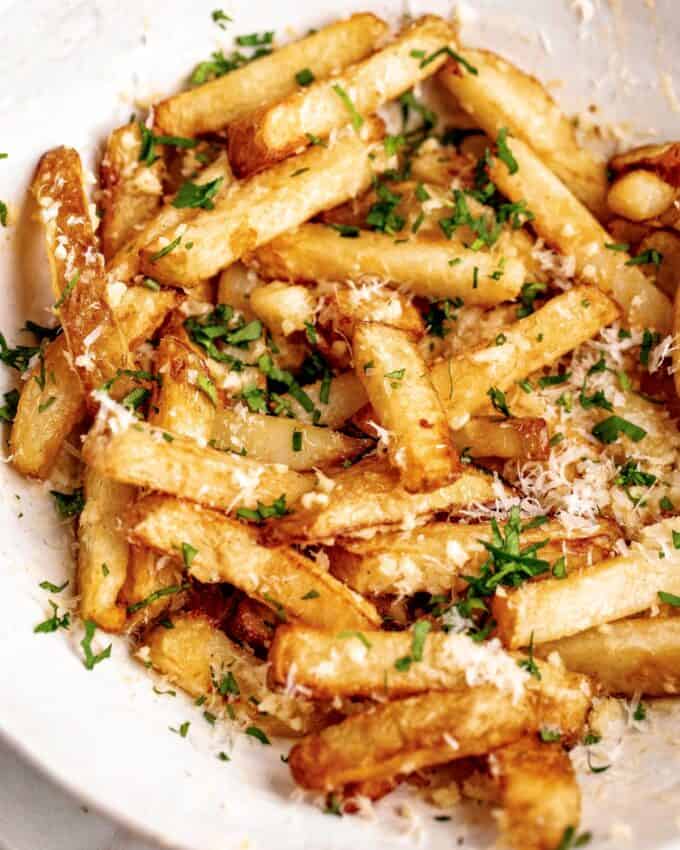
296 365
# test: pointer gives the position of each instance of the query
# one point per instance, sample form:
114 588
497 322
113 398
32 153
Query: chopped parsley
197 195
297 441
504 152
228 686
570 841
8 411
360 636
617 246
69 504
553 380
610 429
549 736
650 256
447 51
91 660
498 401
3 213
355 118
528 663
382 215
348 231
630 475
53 588
55 622
155 596
669 599
183 730
305 77
221 18
420 632
262 512
206 386
218 65
67 290
311 594
165 250
256 732
147 150
530 292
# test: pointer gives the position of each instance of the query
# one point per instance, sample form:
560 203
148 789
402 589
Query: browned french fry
432 558
637 656
662 159
490 436
133 452
500 95
131 191
539 793
147 574
610 590
277 130
368 495
397 383
425 265
538 340
92 334
372 302
103 551
257 210
227 550
564 222
253 624
215 104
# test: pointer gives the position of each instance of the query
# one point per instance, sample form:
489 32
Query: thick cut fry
103 551
638 195
565 223
141 311
227 550
490 436
199 658
147 574
500 95
463 382
92 333
425 265
131 190
284 309
638 656
211 106
663 159
610 590
371 302
406 735
398 386
432 558
346 396
271 439
259 209
539 793
369 494
122 448
278 130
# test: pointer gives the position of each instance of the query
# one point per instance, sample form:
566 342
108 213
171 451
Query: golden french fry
398 386
491 436
257 210
121 447
346 396
638 656
372 302
279 129
103 551
439 165
563 323
610 590
253 624
131 191
215 104
425 265
539 793
564 222
662 159
500 95
152 585
226 550
283 308
638 195
369 494
432 558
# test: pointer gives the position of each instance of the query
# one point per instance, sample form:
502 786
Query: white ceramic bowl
70 71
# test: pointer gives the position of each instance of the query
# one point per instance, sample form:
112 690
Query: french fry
277 130
92 334
628 657
610 590
151 586
103 551
397 383
141 311
283 308
345 398
539 794
372 302
438 165
663 159
227 550
429 266
133 452
639 195
213 105
272 439
252 624
235 286
565 223
500 95
259 209
538 340
432 558
667 244
369 494
131 191
490 436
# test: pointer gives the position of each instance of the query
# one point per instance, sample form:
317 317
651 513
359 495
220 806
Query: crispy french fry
425 265
538 340
227 550
235 286
92 333
213 105
397 383
639 195
662 159
253 624
199 658
637 656
564 222
372 302
259 209
539 793
610 590
152 585
131 190
103 551
277 130
283 308
272 439
141 311
133 452
346 396
490 436
438 165
432 558
500 95
368 495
